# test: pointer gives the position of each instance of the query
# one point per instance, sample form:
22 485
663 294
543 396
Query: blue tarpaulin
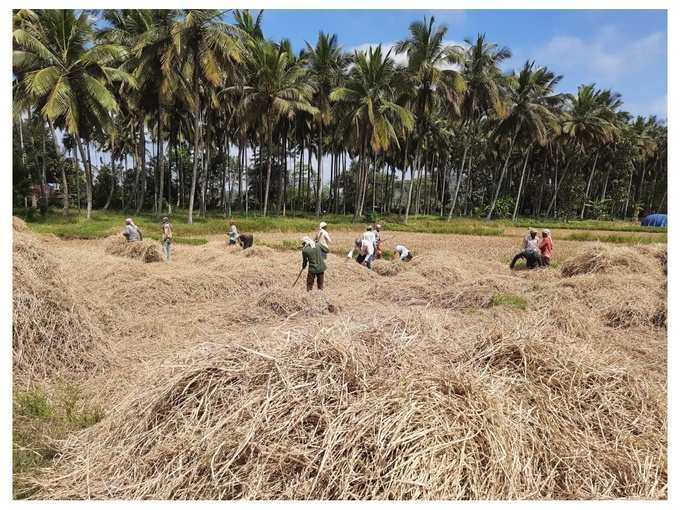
655 220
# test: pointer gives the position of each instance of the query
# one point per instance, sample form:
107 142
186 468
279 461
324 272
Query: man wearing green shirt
313 259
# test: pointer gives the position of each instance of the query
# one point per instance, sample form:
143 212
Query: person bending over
245 240
366 252
233 233
131 231
529 252
403 252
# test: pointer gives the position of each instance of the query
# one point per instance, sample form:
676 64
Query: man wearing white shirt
366 252
323 238
403 252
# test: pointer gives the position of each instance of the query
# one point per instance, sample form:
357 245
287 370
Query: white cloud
608 55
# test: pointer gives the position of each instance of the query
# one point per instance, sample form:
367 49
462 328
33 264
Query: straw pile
601 258
287 303
18 225
51 330
263 252
146 250
388 267
379 412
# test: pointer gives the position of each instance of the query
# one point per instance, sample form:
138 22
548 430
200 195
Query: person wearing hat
530 251
233 233
369 235
166 238
322 237
312 257
131 231
546 247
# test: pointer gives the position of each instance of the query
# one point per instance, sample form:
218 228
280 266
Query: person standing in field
530 251
376 233
369 235
546 247
323 238
313 259
403 252
233 233
166 238
131 231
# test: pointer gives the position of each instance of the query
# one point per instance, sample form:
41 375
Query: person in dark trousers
530 251
312 257
245 240
166 238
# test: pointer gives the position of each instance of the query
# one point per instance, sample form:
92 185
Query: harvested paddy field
448 377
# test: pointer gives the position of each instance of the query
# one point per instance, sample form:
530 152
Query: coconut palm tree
275 89
203 48
67 78
430 74
372 116
532 114
326 63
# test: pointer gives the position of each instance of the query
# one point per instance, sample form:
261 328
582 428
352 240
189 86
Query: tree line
187 110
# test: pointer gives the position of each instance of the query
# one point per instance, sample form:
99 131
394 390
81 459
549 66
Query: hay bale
145 251
18 225
51 329
601 258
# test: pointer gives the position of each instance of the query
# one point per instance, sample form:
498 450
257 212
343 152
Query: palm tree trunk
590 180
141 190
197 147
159 159
43 175
64 180
410 186
521 183
113 183
270 147
319 175
458 179
500 179
88 176
630 184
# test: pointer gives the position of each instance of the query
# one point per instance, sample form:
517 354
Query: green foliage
504 207
42 416
509 301
613 238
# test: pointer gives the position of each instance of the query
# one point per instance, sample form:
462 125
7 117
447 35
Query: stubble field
449 377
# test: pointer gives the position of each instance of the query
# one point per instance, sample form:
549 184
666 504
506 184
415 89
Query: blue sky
624 50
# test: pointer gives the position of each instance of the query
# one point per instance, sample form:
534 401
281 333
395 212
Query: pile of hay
146 251
601 258
18 225
263 252
388 267
287 303
51 329
379 413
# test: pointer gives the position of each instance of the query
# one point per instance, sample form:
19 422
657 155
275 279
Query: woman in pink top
546 247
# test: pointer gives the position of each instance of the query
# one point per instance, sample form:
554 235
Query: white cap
323 224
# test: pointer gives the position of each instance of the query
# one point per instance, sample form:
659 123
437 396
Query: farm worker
403 252
131 231
366 252
233 233
245 240
166 238
312 257
546 247
378 251
369 235
529 252
323 238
